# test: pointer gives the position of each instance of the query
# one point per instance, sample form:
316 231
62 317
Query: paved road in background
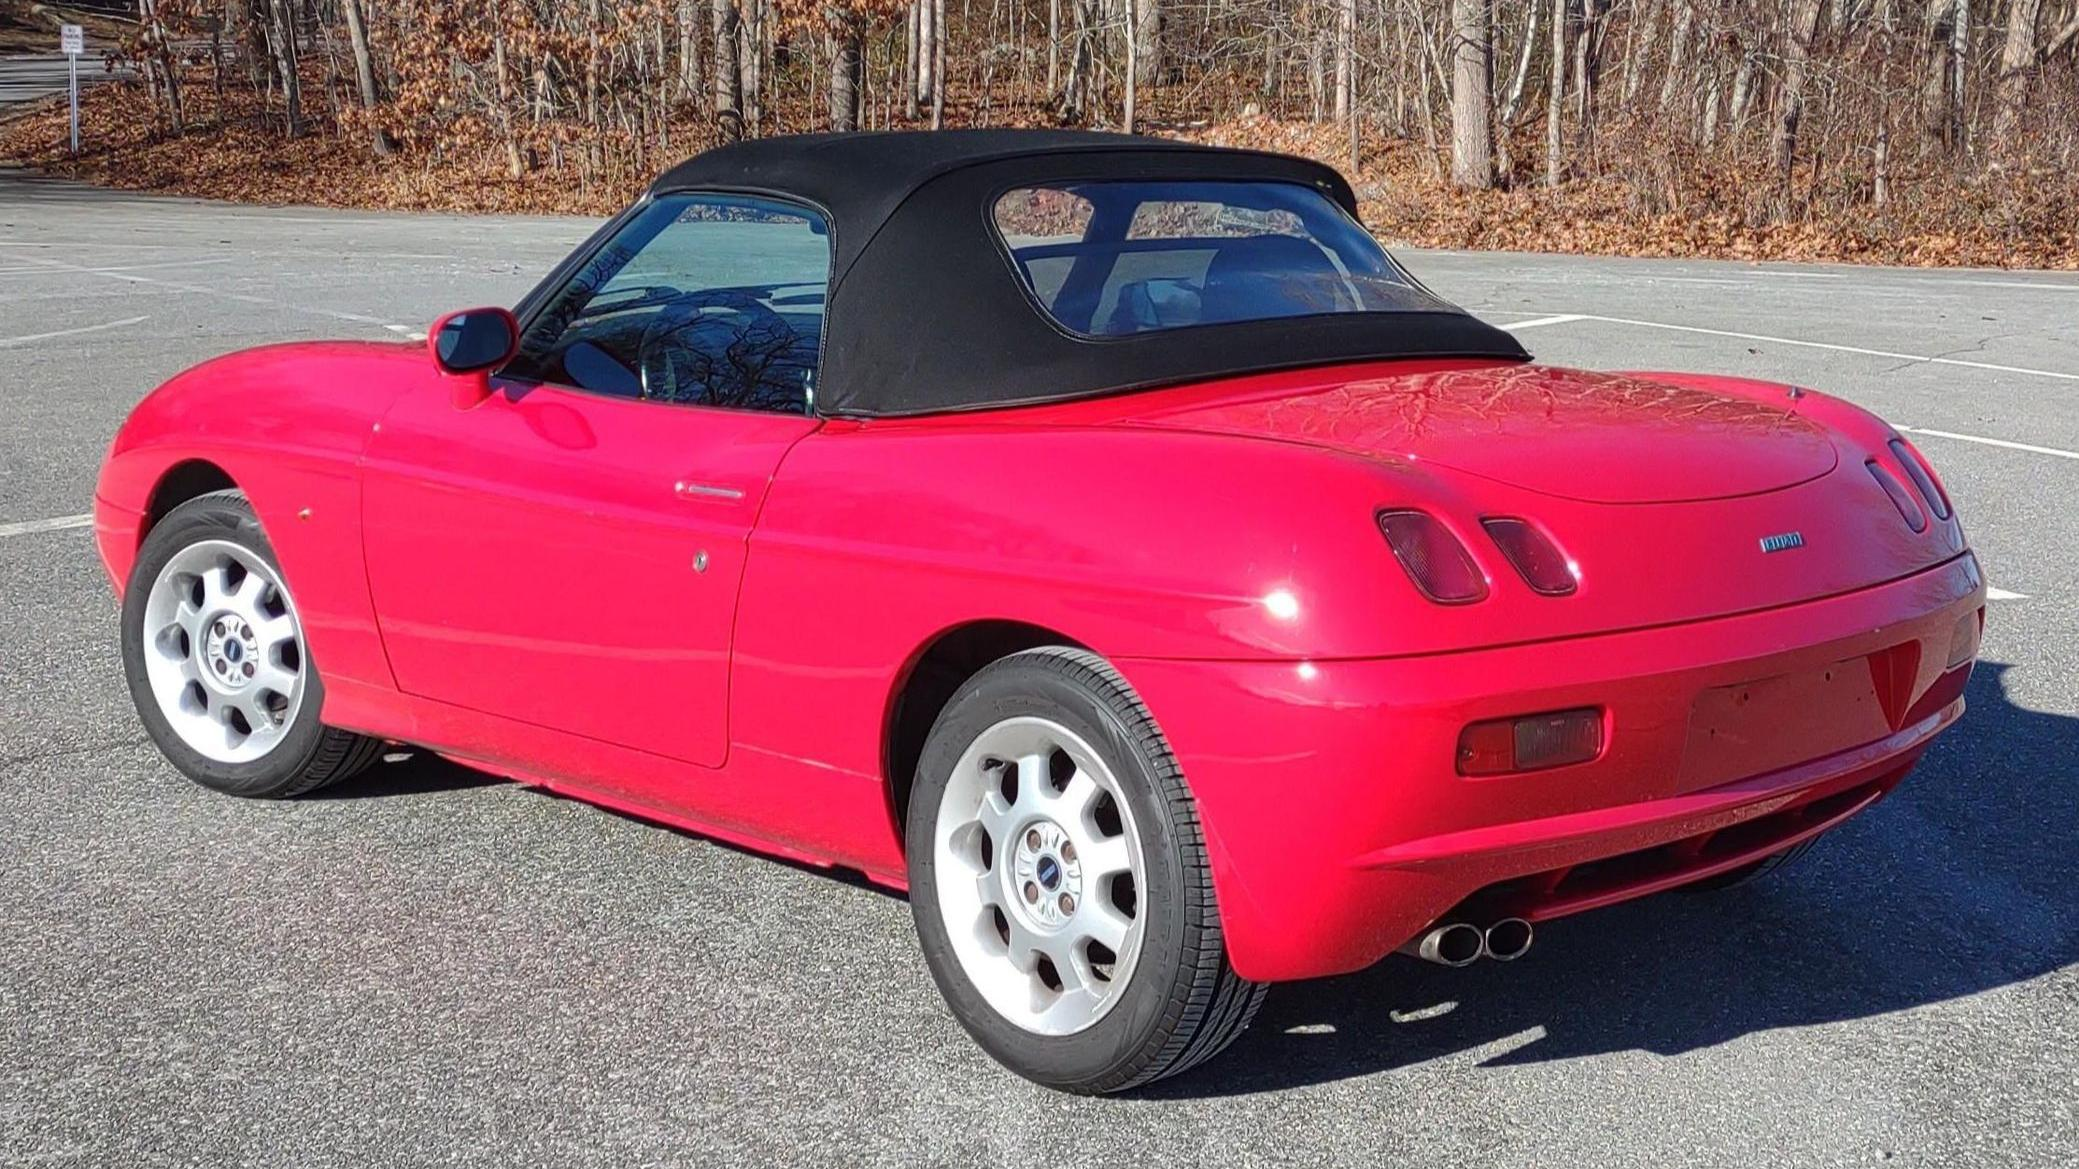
424 966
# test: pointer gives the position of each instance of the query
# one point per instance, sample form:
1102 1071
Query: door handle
687 489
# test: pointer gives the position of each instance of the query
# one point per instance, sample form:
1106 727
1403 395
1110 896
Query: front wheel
1060 884
213 650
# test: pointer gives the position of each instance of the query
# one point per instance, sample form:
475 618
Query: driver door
567 552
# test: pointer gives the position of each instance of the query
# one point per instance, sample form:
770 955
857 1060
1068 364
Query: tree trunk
1555 98
285 62
1959 73
1345 51
938 64
1587 74
503 94
1797 64
689 49
750 59
592 52
1678 47
1077 79
729 116
1053 49
2017 60
845 52
910 30
364 70
1147 41
1472 94
1512 105
1132 76
927 49
161 61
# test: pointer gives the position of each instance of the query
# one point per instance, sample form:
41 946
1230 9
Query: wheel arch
179 483
929 679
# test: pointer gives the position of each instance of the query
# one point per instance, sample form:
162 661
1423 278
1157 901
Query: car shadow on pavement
1962 881
404 772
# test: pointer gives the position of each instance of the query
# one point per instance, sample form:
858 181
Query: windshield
1114 258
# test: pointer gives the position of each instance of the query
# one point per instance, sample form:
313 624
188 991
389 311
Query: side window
1113 258
1042 225
709 300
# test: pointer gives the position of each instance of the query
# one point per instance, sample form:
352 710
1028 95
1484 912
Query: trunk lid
1591 437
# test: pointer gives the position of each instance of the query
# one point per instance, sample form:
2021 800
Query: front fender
287 425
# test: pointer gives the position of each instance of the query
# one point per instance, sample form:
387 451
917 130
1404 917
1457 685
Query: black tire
1183 1003
309 754
1754 871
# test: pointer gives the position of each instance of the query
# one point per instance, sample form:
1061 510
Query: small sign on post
72 41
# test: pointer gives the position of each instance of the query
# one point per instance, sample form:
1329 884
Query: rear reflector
1897 490
1922 475
1963 640
1535 557
1434 559
1531 743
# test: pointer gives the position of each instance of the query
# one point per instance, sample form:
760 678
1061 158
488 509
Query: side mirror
469 345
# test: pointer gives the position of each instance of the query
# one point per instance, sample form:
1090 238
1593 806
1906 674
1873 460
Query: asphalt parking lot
428 967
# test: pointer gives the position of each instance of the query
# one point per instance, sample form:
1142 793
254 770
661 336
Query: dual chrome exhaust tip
1461 943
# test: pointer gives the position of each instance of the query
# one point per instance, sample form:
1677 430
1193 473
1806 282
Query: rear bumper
1339 827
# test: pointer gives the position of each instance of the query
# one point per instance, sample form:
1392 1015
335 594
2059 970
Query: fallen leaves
1702 206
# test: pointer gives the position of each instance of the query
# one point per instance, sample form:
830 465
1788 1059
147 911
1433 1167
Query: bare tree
1555 98
283 36
2017 60
1472 94
1147 41
729 118
1797 59
847 32
364 71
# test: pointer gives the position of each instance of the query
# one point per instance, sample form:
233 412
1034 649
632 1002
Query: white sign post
72 41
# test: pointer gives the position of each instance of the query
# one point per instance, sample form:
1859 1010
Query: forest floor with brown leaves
1721 208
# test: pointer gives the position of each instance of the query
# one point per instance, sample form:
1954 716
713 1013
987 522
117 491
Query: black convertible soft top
926 311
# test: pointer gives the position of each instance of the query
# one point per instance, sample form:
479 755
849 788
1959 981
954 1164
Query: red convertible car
1100 538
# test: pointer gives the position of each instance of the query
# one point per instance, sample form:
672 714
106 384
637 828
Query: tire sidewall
229 518
1139 1021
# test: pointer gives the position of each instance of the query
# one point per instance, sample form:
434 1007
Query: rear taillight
1532 742
1923 477
1897 490
1434 558
1534 556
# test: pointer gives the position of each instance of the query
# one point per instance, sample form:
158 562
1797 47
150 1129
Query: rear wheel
1059 880
214 654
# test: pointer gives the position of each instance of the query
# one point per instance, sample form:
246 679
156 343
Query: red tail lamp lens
1536 559
1923 477
1532 742
1897 490
1434 559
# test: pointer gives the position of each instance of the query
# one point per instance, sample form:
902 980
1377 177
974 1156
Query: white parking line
1540 322
43 270
1920 358
2031 285
205 290
9 342
1993 594
1998 442
59 524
